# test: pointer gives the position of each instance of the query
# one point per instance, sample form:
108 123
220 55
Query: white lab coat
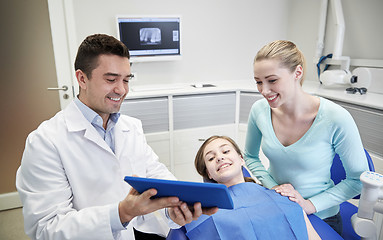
69 177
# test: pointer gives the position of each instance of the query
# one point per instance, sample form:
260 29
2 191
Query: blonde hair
286 52
199 161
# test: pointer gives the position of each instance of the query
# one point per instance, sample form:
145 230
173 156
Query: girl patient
258 213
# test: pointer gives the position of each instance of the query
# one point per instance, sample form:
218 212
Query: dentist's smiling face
105 91
223 162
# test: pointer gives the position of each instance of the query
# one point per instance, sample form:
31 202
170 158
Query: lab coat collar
120 138
76 122
74 119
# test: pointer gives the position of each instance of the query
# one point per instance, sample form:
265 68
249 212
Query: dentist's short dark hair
95 45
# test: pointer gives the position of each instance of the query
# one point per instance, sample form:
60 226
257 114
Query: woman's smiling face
277 84
223 162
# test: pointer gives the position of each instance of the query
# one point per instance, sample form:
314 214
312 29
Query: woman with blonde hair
300 135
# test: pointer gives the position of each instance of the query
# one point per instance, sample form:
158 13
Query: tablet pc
208 194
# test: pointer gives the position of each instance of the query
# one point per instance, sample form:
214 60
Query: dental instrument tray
208 194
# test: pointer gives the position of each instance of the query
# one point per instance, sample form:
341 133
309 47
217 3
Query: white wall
363 32
303 30
220 37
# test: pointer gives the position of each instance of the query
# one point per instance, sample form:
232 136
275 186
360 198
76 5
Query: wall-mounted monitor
155 38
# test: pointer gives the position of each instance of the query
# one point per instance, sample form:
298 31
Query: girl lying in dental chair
258 213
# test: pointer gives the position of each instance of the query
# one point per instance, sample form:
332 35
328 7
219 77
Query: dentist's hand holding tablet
136 204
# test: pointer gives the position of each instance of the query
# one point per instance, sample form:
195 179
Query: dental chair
322 228
347 210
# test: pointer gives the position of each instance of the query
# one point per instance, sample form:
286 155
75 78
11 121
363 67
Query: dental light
343 75
338 76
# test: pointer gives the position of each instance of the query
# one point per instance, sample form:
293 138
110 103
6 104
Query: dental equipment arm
362 222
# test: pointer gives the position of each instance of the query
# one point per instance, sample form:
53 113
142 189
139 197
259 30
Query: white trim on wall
9 201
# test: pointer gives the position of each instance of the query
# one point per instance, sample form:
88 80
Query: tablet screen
208 194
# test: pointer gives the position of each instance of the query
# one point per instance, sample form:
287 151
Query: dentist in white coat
71 178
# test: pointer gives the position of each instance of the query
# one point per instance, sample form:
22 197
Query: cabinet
247 99
153 112
370 126
160 143
154 115
176 125
197 117
191 111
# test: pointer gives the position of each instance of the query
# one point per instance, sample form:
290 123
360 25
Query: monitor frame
153 58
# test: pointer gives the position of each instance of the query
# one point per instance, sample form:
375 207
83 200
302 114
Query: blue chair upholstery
338 173
347 209
323 229
177 234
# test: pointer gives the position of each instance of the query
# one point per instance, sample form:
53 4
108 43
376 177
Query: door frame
61 15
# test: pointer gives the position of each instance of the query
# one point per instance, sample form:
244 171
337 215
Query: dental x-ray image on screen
150 38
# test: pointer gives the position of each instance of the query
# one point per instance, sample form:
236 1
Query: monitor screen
151 38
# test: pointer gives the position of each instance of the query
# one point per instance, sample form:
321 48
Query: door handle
63 88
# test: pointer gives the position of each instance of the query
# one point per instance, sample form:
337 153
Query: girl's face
223 162
277 84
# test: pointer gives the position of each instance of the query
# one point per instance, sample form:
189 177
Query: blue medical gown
258 213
